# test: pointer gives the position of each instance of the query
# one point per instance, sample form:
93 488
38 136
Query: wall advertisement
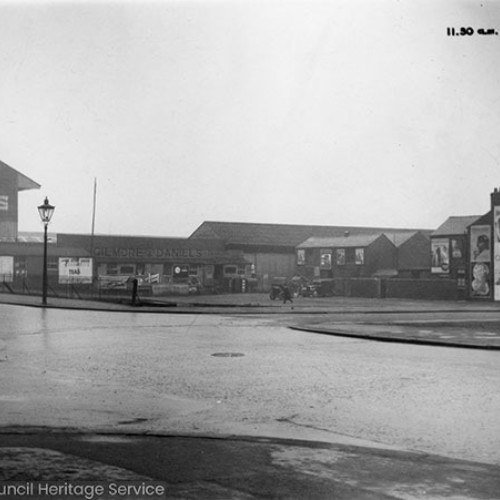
325 259
480 279
75 270
7 269
440 248
496 251
480 244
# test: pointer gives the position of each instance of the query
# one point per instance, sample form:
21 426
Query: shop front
164 266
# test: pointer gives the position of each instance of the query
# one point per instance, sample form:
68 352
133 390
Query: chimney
346 234
495 198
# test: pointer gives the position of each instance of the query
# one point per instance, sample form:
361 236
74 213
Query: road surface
208 374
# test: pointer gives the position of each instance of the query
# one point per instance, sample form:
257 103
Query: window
360 256
228 270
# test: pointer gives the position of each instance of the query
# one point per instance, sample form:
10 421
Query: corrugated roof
360 240
23 182
284 235
455 225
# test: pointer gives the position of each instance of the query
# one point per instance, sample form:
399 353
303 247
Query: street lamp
46 210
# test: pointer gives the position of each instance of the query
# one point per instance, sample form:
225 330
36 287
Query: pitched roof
282 235
455 225
360 240
399 238
23 182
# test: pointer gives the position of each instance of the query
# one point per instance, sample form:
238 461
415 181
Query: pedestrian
286 294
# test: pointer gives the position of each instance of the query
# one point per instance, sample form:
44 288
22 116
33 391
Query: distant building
11 182
449 250
272 248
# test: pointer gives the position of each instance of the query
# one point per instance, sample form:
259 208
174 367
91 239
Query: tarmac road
227 377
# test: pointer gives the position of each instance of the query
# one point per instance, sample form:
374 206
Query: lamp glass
46 211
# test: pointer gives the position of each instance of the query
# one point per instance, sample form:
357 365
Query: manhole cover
227 354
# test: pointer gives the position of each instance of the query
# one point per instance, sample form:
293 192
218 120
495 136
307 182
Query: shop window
230 270
242 269
127 269
193 270
111 269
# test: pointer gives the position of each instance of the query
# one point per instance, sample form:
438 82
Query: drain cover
227 354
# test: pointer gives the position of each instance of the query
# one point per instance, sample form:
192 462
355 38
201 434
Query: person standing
287 296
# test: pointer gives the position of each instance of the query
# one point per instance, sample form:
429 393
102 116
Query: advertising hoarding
440 248
75 270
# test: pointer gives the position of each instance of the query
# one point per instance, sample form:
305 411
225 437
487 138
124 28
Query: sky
334 112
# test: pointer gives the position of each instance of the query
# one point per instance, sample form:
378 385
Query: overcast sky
338 112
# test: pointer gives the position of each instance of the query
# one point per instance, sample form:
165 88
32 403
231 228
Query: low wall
434 289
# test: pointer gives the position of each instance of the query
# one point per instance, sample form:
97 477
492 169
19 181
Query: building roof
23 182
281 235
360 240
455 225
399 238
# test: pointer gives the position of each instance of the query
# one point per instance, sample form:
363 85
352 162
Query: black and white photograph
249 249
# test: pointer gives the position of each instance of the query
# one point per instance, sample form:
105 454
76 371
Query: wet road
246 376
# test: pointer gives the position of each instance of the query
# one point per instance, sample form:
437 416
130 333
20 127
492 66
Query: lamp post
46 211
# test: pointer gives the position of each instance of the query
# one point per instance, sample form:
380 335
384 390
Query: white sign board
6 268
75 270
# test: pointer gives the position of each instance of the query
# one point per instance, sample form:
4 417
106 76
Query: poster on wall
340 256
480 279
301 257
360 256
496 251
457 251
440 255
480 244
6 268
325 259
75 270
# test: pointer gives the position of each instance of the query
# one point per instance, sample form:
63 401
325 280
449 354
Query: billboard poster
360 256
301 257
325 259
340 256
75 270
480 244
440 248
6 269
457 251
480 280
496 251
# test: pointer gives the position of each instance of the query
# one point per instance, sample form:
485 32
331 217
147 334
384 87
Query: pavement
240 467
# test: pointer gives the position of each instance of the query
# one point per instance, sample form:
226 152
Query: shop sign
440 248
180 271
75 270
153 253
